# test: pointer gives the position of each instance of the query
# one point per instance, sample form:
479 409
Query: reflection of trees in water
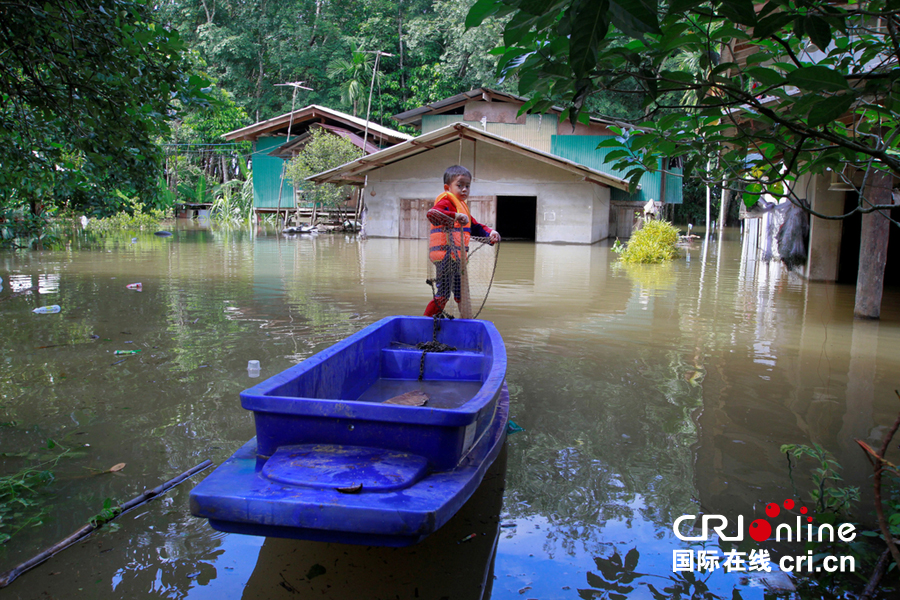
172 562
616 577
607 438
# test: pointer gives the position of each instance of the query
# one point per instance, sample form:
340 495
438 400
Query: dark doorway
851 230
851 235
517 217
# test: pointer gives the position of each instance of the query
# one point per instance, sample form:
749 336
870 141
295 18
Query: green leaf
634 17
766 76
739 11
818 30
680 6
607 143
829 109
771 24
639 141
752 193
817 78
480 11
616 155
589 27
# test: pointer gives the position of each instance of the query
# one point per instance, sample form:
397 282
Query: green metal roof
583 150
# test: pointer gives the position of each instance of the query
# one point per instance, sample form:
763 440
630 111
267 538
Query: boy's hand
494 237
462 218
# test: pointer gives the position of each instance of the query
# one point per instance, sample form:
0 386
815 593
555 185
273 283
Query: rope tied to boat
432 346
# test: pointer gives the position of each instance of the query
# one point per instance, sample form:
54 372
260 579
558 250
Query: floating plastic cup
253 368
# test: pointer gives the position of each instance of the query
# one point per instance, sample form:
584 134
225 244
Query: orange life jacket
439 240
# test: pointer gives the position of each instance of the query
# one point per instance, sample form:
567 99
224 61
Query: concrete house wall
569 209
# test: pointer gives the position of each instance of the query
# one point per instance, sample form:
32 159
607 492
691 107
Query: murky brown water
645 393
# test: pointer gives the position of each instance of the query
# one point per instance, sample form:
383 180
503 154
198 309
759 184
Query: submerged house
277 140
534 177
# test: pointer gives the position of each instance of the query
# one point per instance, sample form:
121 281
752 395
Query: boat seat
354 469
404 363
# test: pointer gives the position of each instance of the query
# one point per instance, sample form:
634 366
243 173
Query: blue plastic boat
335 459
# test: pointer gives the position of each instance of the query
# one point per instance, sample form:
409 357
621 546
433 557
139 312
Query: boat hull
333 462
239 498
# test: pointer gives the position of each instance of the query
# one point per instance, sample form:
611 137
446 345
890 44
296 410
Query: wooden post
873 249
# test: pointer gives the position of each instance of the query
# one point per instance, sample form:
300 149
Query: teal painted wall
583 150
267 176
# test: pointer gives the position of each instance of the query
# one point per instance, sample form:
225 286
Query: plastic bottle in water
47 310
253 368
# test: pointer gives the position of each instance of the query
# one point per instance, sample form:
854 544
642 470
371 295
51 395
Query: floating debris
413 398
47 310
512 427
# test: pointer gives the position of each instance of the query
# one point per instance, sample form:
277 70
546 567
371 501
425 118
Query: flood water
645 393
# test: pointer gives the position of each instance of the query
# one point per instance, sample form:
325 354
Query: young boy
451 227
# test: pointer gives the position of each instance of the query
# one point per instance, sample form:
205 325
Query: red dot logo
760 529
772 510
789 504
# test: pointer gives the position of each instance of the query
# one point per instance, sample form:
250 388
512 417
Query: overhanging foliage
86 89
778 89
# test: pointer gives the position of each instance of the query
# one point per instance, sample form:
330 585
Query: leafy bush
323 152
135 216
653 243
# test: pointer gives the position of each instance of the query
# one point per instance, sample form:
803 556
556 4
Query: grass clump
653 243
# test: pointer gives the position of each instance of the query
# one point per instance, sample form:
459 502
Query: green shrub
653 243
135 216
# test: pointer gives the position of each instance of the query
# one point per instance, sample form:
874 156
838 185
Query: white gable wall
569 209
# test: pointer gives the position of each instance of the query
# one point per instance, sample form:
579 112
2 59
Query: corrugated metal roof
308 113
414 116
286 150
353 172
535 132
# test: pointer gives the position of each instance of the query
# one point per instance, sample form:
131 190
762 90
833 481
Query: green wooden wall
267 175
583 150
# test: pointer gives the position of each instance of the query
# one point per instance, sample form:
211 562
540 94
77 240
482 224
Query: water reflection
645 393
